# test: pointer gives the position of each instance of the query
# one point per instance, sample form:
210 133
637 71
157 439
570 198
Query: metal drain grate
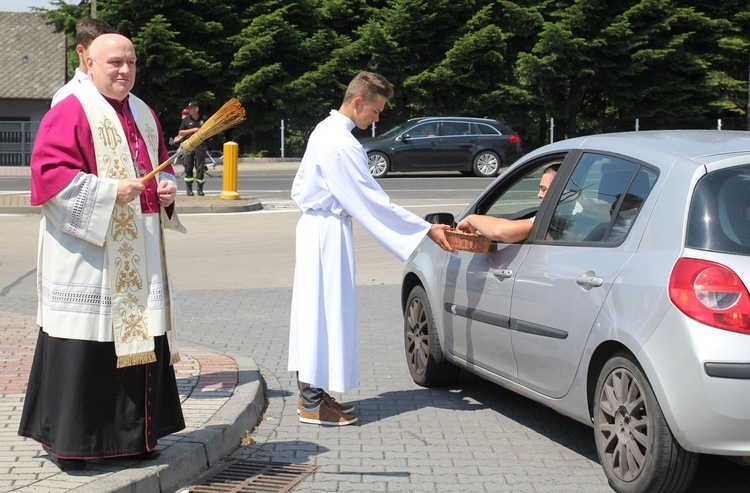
253 476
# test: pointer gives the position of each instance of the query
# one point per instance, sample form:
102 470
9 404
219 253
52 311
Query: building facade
33 56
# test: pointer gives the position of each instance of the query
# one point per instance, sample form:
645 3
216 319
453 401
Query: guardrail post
231 152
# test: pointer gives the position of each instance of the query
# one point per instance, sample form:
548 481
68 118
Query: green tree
593 65
64 17
289 60
476 77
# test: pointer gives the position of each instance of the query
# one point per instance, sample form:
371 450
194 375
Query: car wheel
378 164
635 445
427 364
486 164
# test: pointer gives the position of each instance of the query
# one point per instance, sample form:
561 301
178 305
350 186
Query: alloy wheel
624 424
487 164
417 336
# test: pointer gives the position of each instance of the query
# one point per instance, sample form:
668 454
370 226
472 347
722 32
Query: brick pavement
222 397
207 381
469 437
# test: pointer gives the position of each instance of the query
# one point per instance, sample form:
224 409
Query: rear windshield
719 218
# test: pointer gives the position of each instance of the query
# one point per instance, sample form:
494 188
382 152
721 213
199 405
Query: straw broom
230 115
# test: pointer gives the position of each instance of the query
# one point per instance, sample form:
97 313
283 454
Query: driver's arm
497 228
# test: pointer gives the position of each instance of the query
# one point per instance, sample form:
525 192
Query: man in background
86 32
196 160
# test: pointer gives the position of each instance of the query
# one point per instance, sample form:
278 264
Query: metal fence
16 142
17 138
609 125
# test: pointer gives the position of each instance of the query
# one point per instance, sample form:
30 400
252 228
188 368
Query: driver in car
507 230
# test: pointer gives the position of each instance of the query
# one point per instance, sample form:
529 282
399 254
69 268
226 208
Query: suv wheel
425 359
378 164
635 445
486 164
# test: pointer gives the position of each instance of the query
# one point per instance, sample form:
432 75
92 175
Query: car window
487 129
455 128
628 207
719 218
519 200
600 200
424 130
396 130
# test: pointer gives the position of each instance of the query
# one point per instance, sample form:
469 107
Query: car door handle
504 273
589 281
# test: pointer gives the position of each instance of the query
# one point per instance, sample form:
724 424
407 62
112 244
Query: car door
478 287
417 149
456 144
564 279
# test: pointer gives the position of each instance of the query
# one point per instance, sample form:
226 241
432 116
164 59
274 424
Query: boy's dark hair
89 29
369 86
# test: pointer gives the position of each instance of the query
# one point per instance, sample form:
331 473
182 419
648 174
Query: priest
102 382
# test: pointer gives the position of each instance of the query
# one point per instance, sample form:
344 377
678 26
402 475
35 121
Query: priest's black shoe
153 454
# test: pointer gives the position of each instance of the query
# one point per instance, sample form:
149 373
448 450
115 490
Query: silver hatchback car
626 309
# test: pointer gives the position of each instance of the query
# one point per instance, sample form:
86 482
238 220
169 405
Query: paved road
233 274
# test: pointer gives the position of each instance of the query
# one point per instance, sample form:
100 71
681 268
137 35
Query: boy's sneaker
344 408
326 414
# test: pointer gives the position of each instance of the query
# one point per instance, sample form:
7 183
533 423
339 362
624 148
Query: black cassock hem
80 405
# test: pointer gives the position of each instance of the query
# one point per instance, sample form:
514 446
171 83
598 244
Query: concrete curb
222 206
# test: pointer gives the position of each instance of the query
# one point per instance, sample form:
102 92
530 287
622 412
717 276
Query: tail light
710 293
514 139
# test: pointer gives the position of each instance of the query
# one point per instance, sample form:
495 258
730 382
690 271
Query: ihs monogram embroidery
108 133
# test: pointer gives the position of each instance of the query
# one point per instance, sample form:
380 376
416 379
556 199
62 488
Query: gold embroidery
126 250
128 277
152 137
123 226
125 245
130 300
109 135
133 327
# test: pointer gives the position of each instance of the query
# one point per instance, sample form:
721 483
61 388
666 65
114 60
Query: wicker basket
468 242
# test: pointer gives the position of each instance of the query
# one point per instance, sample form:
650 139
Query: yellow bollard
231 152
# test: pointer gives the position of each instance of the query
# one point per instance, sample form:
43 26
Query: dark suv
470 145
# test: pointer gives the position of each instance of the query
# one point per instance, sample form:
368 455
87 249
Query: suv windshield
720 212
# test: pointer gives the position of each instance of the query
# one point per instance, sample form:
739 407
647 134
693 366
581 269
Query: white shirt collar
349 123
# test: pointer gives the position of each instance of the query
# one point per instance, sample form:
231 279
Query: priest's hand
437 234
128 189
167 192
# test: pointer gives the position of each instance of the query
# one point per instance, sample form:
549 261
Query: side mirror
405 137
441 218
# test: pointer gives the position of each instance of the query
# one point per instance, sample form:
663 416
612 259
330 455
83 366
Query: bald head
111 65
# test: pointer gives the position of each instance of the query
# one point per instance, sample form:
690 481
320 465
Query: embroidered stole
125 244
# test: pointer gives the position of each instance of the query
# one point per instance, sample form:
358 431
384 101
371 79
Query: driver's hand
465 225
